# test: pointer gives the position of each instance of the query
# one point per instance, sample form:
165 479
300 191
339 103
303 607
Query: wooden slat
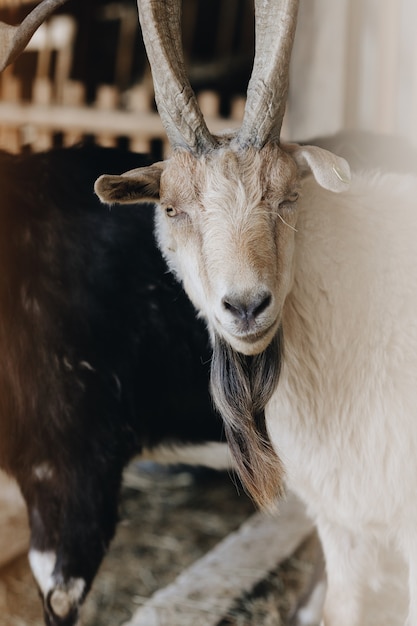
10 92
209 103
41 94
107 99
73 94
140 99
6 4
93 120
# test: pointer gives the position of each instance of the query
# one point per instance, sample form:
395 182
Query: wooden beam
93 120
204 592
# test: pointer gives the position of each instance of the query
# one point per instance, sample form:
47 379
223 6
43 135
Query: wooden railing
58 109
34 124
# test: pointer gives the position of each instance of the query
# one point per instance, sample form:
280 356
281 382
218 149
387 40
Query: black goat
101 357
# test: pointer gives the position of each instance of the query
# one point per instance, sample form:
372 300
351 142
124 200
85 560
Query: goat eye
288 200
170 211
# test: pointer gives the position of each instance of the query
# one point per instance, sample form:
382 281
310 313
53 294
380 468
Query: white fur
344 415
63 598
43 472
42 565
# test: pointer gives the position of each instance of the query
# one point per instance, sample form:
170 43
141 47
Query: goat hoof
60 609
60 603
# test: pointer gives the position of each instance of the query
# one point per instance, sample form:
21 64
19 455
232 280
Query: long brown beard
241 387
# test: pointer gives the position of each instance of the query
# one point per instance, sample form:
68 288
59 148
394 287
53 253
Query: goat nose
247 309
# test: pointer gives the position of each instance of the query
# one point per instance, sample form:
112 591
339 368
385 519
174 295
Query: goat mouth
254 337
251 343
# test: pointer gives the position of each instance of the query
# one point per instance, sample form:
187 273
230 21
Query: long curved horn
13 39
275 23
177 105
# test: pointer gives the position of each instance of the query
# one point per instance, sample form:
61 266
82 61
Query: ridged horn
14 39
177 105
275 23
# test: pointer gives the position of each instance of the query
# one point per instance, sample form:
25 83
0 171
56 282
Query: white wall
354 65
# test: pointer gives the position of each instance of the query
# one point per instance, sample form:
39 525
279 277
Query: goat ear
330 171
138 185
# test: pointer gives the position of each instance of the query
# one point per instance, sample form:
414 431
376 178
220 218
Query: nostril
263 304
235 309
247 309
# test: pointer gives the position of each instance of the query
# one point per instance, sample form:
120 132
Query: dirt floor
168 520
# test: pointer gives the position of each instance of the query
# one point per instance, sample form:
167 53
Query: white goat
270 257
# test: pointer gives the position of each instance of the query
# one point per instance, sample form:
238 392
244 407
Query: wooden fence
36 124
57 109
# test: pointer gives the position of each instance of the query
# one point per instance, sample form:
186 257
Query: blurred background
85 76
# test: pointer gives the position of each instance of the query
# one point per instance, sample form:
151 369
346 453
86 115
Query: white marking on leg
44 471
64 596
42 565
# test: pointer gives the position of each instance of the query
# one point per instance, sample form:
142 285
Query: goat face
227 230
226 226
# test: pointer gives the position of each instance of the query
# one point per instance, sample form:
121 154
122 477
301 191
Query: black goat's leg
72 521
